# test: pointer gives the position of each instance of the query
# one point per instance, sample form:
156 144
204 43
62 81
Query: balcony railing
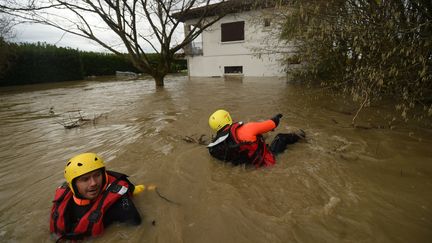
194 49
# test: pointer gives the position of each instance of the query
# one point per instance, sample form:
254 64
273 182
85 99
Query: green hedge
104 64
38 63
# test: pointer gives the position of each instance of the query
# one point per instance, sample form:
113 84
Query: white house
240 44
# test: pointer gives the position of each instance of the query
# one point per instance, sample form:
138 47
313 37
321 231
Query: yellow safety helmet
80 165
219 119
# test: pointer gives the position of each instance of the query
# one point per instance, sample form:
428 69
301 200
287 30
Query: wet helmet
219 119
80 165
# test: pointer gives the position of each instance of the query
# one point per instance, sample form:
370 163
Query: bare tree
136 24
6 25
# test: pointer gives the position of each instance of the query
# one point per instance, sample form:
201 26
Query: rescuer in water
91 199
243 143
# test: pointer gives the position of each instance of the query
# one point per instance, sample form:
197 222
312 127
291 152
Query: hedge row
104 64
39 63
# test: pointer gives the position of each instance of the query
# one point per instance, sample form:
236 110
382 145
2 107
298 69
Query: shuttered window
233 31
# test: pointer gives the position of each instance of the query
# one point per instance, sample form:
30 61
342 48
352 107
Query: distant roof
226 7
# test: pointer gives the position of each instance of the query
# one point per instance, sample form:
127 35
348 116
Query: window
233 69
267 22
233 31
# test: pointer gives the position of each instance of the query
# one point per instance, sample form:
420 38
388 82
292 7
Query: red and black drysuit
226 146
71 221
244 144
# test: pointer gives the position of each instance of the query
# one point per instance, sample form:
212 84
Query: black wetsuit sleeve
123 211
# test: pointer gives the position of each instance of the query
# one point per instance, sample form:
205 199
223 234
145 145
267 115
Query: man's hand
276 119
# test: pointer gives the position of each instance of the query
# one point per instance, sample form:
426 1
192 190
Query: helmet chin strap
83 202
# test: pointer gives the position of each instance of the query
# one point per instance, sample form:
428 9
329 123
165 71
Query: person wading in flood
91 199
243 143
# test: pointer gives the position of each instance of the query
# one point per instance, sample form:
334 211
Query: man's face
89 185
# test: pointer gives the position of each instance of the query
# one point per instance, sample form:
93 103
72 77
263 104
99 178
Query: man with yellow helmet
243 143
91 199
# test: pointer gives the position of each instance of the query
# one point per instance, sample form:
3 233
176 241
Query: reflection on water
342 185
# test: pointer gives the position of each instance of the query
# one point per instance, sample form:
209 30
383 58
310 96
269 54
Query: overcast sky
32 33
41 33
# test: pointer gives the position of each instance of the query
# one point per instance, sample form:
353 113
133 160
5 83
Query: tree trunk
159 79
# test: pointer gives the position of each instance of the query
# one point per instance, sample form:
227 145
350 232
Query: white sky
33 33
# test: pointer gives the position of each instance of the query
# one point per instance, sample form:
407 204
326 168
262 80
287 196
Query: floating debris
76 119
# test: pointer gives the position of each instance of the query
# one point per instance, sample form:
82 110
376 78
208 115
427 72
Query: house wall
247 53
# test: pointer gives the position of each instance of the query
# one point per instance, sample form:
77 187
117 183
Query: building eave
226 7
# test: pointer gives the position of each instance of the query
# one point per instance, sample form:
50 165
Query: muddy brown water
342 185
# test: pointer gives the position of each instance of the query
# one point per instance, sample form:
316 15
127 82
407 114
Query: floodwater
341 185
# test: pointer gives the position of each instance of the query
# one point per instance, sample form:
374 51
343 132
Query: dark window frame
233 69
267 22
232 31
